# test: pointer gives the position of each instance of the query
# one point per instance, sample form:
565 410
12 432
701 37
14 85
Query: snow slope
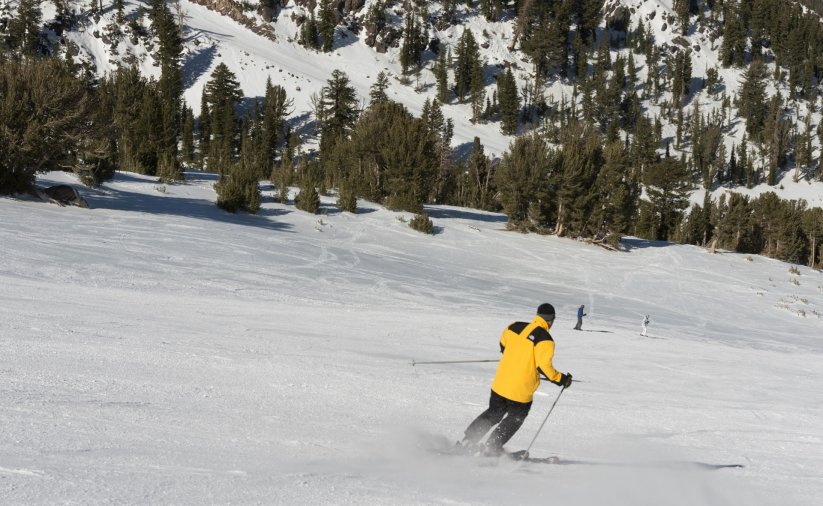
156 350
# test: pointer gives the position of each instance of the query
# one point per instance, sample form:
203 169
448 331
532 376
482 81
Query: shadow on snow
124 200
630 243
465 214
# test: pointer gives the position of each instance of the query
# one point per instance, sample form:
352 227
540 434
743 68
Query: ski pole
526 453
414 362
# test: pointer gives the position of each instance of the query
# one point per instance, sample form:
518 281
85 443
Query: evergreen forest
621 154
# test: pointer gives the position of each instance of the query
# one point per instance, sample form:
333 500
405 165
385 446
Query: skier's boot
466 446
492 450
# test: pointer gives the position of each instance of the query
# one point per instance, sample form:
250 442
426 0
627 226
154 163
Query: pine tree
222 94
276 107
411 50
753 104
580 158
119 8
96 158
733 47
791 243
128 88
42 123
682 78
326 24
509 102
681 7
204 129
422 223
347 200
308 33
690 230
588 17
480 172
377 93
631 73
644 144
522 180
477 89
308 199
544 33
581 61
812 225
604 60
24 28
668 186
803 149
617 192
441 72
187 135
486 9
639 38
734 226
338 109
396 156
238 189
466 65
170 87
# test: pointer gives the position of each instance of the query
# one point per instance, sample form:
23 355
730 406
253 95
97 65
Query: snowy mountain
260 43
157 350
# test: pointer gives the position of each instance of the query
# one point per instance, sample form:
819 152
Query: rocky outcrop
619 19
232 10
340 6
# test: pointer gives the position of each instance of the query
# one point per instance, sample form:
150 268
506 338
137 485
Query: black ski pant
507 413
579 323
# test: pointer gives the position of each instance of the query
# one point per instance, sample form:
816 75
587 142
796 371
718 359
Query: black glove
566 380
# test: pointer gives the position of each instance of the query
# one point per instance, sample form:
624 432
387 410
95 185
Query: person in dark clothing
527 350
580 315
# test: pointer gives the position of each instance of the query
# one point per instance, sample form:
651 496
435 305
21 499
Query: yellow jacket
527 350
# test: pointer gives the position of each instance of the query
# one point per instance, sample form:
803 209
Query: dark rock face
618 19
352 5
309 4
267 13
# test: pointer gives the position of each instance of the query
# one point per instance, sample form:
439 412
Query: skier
580 315
645 324
527 350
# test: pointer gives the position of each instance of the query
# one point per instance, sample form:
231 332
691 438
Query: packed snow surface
157 350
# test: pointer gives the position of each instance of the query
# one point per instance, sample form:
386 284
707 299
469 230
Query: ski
478 451
523 456
677 465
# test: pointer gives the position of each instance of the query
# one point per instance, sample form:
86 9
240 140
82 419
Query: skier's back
527 350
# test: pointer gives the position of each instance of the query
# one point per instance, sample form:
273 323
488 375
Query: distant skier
645 324
527 350
580 315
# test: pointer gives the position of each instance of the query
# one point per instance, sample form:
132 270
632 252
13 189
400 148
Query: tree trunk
558 229
522 21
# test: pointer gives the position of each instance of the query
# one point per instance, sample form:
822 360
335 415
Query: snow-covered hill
212 38
156 350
